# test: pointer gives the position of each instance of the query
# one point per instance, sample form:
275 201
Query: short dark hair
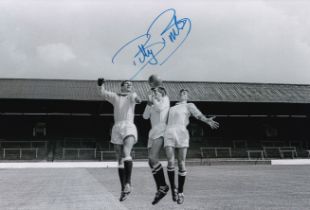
162 90
183 90
123 82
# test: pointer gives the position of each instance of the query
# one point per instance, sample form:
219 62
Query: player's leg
157 169
154 163
121 170
171 170
119 158
129 141
182 173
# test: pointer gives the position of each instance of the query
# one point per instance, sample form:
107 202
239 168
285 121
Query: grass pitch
206 187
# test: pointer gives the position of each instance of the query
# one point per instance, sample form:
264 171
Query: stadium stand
107 155
77 148
288 150
39 129
140 152
78 151
260 154
215 152
240 144
23 149
20 150
74 110
308 151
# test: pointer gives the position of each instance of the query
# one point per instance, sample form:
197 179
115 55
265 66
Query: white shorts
151 142
121 130
176 136
155 133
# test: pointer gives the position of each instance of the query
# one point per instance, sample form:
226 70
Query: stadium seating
78 148
99 149
258 153
140 153
23 150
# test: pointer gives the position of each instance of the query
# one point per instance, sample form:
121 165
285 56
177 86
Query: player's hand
150 100
100 81
138 100
213 124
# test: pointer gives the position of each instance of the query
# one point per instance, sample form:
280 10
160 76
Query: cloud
55 53
233 41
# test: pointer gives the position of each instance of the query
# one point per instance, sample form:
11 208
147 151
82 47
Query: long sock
128 170
121 174
159 175
155 176
181 180
171 175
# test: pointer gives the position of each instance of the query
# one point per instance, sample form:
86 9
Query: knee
129 141
126 153
152 162
181 165
171 163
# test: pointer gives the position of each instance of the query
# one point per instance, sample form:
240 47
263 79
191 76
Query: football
155 81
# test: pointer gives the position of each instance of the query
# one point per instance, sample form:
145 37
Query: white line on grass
291 162
69 165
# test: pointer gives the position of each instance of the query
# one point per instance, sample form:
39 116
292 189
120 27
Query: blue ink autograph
157 45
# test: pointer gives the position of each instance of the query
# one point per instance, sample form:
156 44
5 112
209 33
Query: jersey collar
123 94
181 102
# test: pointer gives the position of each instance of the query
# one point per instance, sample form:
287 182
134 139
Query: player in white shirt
157 111
177 138
124 132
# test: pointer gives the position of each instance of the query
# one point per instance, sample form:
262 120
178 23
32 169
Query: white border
291 162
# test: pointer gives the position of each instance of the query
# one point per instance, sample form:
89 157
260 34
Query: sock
155 177
171 175
181 180
121 174
159 176
128 170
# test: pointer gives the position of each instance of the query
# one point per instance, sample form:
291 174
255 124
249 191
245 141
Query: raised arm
107 95
164 103
198 115
138 99
147 112
135 98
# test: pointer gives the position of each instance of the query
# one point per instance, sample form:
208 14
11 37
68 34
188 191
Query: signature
158 44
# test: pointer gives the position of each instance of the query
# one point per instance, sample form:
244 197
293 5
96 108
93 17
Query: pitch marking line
69 165
291 162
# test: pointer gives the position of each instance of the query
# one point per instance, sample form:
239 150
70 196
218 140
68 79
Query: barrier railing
78 150
4 151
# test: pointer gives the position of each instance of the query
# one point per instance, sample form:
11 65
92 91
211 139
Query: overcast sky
229 41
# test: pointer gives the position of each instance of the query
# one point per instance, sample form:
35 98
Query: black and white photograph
153 104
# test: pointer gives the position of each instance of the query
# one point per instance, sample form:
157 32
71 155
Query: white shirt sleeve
147 112
194 110
161 105
108 95
133 97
